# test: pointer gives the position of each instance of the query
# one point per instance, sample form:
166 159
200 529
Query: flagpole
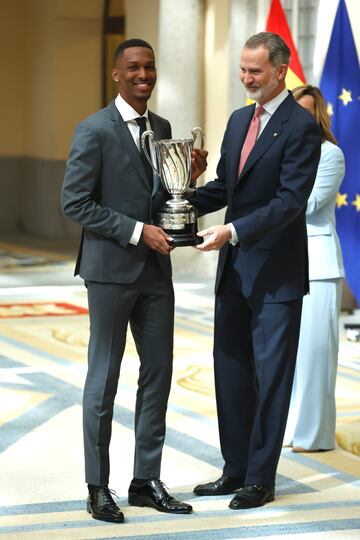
326 11
295 22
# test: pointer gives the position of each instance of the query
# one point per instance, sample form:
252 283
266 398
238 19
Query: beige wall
13 61
51 62
64 39
142 21
78 68
39 120
51 58
78 58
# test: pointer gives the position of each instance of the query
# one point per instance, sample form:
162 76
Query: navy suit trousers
255 350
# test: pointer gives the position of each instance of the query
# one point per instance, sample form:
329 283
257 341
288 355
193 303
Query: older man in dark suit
268 163
124 259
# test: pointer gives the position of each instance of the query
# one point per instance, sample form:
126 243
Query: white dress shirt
128 115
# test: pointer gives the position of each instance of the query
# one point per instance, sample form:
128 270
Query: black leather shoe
154 495
252 497
101 505
222 486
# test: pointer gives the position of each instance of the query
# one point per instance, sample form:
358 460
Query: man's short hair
130 43
279 52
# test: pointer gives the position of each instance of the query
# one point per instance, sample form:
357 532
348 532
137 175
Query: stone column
228 23
180 61
240 22
244 16
180 94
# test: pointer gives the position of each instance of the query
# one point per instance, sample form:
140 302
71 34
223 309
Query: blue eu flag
340 84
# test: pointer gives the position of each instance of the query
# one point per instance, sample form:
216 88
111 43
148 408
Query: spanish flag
278 24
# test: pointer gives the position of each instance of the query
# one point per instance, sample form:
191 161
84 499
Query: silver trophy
177 217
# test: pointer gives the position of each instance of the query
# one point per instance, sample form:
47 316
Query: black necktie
141 122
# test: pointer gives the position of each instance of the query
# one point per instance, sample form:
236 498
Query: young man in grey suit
124 260
267 168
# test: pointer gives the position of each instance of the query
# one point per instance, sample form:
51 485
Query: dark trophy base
181 224
180 240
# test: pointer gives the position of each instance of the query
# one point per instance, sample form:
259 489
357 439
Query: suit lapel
158 134
128 142
271 132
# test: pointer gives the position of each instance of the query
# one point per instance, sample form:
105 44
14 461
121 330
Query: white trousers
312 414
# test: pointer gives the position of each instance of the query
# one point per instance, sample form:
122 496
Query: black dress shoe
222 486
101 505
252 497
154 495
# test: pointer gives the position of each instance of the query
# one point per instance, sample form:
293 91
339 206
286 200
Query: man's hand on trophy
157 239
214 237
198 163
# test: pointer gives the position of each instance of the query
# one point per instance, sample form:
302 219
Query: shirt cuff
135 237
234 237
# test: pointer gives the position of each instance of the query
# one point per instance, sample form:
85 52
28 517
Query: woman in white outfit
312 415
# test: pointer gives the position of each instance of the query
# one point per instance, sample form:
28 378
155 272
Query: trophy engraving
177 217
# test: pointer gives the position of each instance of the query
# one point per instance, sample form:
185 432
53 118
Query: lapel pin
275 134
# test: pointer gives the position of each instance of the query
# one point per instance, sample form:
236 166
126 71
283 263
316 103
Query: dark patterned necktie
141 122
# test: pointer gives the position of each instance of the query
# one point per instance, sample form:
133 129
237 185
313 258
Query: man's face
135 73
261 79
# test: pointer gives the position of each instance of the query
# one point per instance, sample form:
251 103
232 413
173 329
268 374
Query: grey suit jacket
107 191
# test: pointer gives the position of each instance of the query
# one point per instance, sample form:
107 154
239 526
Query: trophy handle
148 134
200 131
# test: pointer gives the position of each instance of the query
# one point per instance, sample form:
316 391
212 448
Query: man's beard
255 94
261 93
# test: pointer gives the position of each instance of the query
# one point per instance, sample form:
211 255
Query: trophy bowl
177 217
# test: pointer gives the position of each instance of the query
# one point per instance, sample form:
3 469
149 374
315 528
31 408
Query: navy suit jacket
267 203
107 191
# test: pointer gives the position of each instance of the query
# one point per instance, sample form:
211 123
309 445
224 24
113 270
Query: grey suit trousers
148 304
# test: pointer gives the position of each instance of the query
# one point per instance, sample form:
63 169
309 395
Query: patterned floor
43 339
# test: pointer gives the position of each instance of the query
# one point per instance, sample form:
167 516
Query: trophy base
180 240
179 220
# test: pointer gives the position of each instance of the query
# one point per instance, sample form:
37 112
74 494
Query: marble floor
43 341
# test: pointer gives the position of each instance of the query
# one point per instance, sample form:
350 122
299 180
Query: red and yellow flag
278 24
